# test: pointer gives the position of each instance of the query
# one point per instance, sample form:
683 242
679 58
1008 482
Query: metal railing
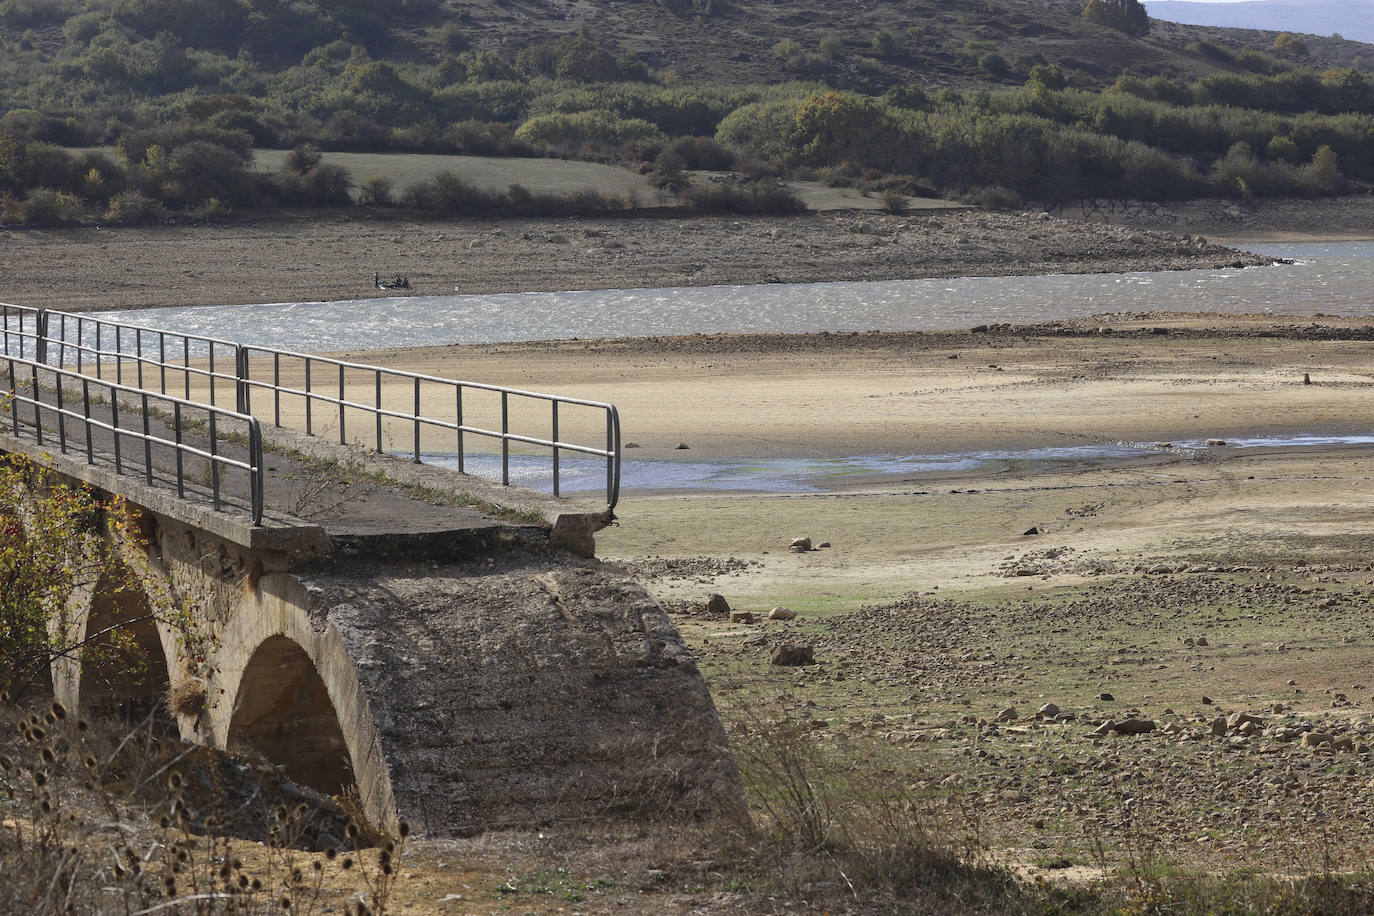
332 391
101 418
130 354
153 358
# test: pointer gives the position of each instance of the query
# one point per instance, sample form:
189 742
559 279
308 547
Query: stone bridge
449 646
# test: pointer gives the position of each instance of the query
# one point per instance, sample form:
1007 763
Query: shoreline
334 258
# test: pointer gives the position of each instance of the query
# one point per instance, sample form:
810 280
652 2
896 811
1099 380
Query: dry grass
95 819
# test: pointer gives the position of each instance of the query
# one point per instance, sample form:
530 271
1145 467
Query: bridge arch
282 710
282 683
125 667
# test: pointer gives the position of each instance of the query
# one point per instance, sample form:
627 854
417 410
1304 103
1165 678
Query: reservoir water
1332 278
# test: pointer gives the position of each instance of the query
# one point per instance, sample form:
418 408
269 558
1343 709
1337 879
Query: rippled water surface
1331 278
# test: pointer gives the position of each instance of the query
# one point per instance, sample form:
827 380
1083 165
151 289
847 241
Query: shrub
375 191
1127 16
133 207
996 198
47 207
886 44
557 131
446 194
758 196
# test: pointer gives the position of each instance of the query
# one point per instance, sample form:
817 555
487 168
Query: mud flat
327 259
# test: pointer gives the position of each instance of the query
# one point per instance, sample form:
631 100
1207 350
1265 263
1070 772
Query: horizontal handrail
415 419
113 407
89 343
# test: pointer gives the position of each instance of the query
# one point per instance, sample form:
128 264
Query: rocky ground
1218 718
335 258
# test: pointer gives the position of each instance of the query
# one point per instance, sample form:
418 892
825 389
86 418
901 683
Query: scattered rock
1202 641
1315 739
1106 697
632 445
799 545
1215 443
741 616
1048 711
1219 726
1240 719
1130 726
782 613
1306 379
1030 531
683 445
1008 715
794 655
822 544
716 604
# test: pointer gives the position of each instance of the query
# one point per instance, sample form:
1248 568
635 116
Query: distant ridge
1353 19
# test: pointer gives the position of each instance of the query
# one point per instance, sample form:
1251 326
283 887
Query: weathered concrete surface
527 687
498 682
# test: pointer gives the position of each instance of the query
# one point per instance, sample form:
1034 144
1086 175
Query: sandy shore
1100 380
327 259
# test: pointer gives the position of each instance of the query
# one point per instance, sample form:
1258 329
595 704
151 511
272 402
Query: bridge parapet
360 404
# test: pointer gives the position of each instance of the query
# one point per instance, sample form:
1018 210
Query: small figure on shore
398 282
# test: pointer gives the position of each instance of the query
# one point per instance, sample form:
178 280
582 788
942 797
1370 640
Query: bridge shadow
124 673
283 712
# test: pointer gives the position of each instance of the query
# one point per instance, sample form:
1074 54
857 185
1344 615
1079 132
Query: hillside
997 103
51 46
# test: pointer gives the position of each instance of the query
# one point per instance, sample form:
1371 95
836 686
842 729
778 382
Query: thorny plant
101 822
62 547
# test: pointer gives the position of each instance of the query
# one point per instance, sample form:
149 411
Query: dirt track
335 258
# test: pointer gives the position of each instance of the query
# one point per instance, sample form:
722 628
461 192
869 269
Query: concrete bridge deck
447 645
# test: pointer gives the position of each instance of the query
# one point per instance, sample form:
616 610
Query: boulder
782 613
794 655
716 604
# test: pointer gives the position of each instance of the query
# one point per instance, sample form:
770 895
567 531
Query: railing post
555 447
377 383
214 462
417 420
307 397
255 475
181 468
241 374
612 484
459 424
14 400
86 416
61 420
343 436
37 407
41 342
147 444
505 439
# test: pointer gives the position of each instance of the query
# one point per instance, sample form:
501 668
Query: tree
50 548
1127 16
